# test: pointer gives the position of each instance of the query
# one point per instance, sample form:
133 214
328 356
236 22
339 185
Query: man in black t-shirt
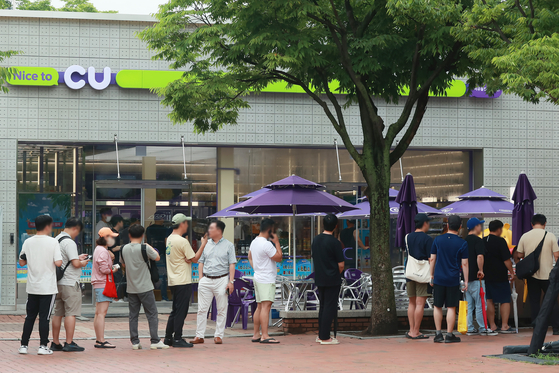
497 266
418 245
348 236
476 258
328 261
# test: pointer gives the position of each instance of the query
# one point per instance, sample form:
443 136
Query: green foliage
373 48
81 6
517 43
6 4
6 72
35 5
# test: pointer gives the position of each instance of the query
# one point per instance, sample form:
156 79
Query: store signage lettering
72 82
76 77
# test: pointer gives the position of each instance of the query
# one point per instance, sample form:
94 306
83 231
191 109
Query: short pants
99 297
264 292
446 295
416 289
68 300
498 292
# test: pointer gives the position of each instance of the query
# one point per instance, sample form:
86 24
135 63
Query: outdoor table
296 291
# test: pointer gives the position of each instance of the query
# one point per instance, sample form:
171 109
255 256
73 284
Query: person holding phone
264 252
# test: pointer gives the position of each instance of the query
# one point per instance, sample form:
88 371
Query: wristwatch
231 282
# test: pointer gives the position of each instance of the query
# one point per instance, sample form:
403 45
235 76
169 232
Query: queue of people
479 270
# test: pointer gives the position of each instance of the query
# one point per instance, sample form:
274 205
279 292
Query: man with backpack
135 258
539 281
69 298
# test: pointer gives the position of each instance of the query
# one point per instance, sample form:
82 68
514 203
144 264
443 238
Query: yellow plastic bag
463 317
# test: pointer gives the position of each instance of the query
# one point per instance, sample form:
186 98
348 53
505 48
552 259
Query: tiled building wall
515 136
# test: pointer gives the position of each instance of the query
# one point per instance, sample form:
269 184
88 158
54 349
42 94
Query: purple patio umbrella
408 209
364 210
523 211
294 195
482 202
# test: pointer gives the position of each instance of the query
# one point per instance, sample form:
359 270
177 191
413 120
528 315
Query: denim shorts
99 297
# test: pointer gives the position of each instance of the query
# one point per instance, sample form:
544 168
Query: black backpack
531 263
152 265
59 270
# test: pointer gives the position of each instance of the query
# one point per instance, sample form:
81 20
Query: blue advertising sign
243 265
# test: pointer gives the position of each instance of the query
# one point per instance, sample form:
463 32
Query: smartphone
271 234
89 257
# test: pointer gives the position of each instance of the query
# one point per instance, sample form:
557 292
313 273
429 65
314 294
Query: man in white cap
180 257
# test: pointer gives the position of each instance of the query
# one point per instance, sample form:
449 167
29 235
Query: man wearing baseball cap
449 251
476 259
180 257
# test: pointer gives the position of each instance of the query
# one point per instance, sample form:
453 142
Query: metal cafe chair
355 293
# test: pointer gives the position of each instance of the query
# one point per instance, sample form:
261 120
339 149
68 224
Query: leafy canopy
373 48
6 72
517 43
35 5
45 5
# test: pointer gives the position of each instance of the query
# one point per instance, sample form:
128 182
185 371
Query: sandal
421 336
408 335
105 344
256 340
271 341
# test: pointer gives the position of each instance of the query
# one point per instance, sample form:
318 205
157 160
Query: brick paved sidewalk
296 353
115 327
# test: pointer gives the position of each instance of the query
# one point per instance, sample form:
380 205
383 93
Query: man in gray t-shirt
140 287
69 298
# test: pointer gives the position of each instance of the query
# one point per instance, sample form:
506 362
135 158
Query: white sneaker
334 341
318 340
44 350
22 350
158 346
137 347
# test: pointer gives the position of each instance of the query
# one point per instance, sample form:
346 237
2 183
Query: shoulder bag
417 270
152 265
110 287
59 270
531 263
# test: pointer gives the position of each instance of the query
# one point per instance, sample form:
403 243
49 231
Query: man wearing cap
476 259
106 213
418 245
180 257
449 251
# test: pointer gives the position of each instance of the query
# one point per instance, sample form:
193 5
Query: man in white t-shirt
263 256
41 254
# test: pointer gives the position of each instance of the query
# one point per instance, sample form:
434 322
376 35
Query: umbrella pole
294 246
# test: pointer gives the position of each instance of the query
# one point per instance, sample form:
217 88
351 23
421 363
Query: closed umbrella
523 211
297 196
483 307
514 296
408 209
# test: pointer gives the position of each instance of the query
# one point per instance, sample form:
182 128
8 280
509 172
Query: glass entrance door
150 203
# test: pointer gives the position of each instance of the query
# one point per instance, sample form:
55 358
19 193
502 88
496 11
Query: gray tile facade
515 136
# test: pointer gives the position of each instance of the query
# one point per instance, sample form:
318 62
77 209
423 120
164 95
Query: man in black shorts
497 267
447 253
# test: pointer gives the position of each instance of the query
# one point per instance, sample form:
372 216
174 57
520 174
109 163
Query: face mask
110 242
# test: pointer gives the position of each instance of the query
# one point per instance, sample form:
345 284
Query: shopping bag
463 317
110 287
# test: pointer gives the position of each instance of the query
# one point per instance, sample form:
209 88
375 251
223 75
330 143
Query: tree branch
498 28
351 17
365 23
403 145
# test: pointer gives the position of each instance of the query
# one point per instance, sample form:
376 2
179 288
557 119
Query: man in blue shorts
497 267
447 253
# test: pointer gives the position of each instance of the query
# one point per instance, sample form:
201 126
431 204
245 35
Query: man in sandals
328 256
263 256
418 245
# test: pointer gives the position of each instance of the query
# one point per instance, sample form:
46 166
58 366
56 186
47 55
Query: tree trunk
376 170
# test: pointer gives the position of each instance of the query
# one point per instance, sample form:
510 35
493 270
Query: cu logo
75 77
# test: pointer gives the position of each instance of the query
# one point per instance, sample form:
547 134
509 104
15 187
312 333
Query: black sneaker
72 347
451 338
439 338
473 332
56 347
168 341
182 343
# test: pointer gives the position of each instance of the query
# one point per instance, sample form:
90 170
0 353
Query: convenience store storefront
86 80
